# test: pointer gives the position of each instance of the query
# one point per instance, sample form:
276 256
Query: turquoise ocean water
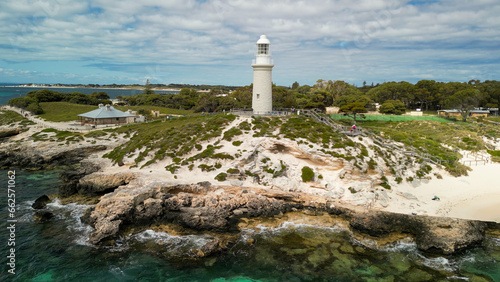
8 92
57 251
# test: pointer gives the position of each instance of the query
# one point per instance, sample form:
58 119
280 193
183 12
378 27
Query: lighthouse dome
263 40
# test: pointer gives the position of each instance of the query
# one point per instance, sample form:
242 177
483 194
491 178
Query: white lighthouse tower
262 99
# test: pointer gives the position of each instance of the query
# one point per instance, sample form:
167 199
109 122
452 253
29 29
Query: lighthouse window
263 49
258 96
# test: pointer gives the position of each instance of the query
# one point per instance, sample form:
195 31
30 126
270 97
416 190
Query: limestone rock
71 178
44 155
433 234
96 184
7 132
212 210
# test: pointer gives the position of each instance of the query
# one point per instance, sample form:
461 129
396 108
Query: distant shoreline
118 88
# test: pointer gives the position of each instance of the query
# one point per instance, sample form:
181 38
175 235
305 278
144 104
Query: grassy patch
58 136
435 138
318 133
172 138
391 118
230 133
96 134
63 111
495 155
10 117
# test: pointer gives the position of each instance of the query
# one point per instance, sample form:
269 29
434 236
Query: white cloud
327 38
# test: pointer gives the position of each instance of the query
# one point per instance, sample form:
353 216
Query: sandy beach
476 196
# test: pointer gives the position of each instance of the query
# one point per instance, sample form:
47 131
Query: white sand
476 196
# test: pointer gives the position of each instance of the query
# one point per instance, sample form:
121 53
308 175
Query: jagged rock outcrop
85 182
44 156
7 132
202 207
197 207
439 235
71 178
41 202
99 184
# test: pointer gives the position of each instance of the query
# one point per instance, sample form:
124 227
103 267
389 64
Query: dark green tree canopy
394 107
464 101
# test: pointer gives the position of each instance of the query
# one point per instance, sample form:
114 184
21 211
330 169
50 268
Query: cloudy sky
213 41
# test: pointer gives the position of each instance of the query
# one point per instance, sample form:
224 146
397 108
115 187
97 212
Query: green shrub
385 185
237 143
94 134
398 179
364 152
495 155
172 168
233 171
249 173
372 164
230 133
307 174
205 167
223 156
221 176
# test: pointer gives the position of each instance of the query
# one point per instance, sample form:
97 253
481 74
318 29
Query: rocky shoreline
129 200
202 207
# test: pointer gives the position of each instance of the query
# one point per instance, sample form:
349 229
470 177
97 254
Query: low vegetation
171 138
439 140
50 134
63 111
307 174
9 118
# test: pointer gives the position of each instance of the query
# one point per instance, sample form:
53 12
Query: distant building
106 115
457 113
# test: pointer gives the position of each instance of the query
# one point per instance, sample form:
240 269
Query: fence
475 158
245 112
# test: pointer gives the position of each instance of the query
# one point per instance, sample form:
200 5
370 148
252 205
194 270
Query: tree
340 88
354 110
394 107
283 98
426 93
403 91
464 101
100 95
187 98
147 88
243 97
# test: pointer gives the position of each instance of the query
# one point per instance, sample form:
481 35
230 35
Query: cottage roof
106 112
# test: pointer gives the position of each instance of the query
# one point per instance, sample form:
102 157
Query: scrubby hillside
292 153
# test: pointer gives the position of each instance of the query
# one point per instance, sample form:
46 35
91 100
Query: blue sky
213 41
